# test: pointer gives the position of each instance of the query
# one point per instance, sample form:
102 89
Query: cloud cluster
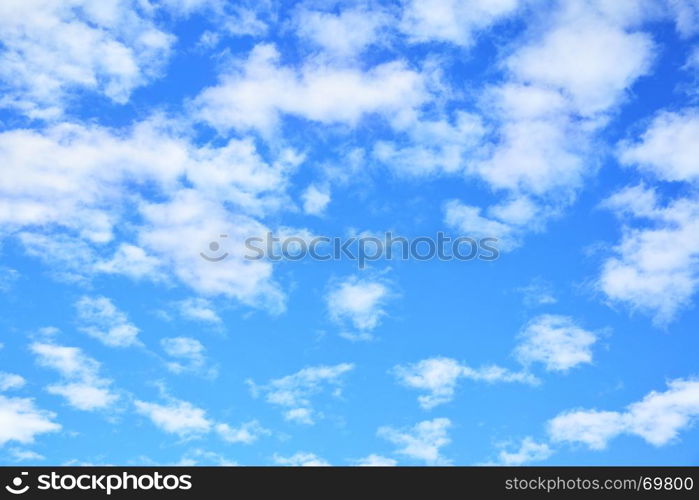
82 386
657 418
294 392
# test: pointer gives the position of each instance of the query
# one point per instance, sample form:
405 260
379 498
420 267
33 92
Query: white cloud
204 457
301 459
180 230
374 460
686 14
359 301
254 94
177 417
668 148
189 354
439 377
20 455
556 342
7 278
439 146
345 34
100 318
655 267
315 199
658 418
187 421
246 433
50 49
21 420
9 381
469 221
93 182
131 261
452 20
529 451
538 292
421 442
294 391
198 309
82 385
587 56
571 71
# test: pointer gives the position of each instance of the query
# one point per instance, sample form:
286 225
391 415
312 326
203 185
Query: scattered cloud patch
101 319
556 342
22 421
82 386
421 442
658 418
439 377
294 392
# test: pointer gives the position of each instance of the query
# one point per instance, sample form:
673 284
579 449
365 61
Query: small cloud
82 386
529 451
301 459
315 200
198 309
9 381
423 441
176 417
439 378
101 319
556 342
189 355
376 461
246 433
294 392
361 302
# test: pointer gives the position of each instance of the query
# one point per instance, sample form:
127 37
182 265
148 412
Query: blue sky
135 132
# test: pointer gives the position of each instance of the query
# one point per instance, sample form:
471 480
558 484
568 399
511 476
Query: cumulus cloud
258 90
668 148
361 302
440 376
422 442
374 460
528 451
658 418
51 50
301 459
345 34
82 386
294 392
451 20
189 356
561 85
67 186
655 267
198 309
556 342
586 55
22 421
9 381
176 417
246 433
188 421
433 146
315 199
100 318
